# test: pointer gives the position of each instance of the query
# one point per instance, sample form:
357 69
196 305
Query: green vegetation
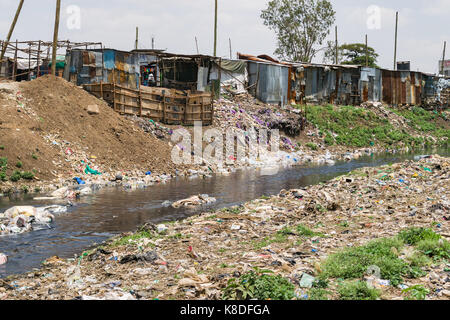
306 232
16 176
413 236
34 156
2 147
418 292
3 167
312 146
19 164
357 290
318 294
358 127
353 263
134 237
422 120
260 285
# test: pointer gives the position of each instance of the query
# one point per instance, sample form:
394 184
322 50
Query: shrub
357 290
259 285
414 235
351 263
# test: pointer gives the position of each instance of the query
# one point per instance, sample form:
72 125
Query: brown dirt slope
54 108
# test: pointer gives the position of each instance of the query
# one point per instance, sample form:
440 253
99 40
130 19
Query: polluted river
111 211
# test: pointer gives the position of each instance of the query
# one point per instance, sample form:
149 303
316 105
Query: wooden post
29 61
137 38
55 36
164 106
395 48
186 108
443 57
114 90
215 31
196 44
15 62
337 47
231 51
11 29
140 102
367 53
38 59
220 75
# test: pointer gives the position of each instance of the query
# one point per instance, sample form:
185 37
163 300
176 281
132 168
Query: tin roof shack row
149 68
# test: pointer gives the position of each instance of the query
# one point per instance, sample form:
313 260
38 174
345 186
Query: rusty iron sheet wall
402 87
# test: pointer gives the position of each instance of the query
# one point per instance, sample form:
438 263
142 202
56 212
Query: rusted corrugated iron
402 87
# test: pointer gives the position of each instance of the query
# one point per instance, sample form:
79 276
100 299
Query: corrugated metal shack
319 84
268 80
370 84
102 65
402 87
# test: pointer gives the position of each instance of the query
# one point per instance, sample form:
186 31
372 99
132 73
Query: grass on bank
359 127
353 263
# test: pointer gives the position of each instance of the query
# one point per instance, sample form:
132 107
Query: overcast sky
423 26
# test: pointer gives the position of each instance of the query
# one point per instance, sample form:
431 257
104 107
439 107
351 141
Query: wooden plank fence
164 105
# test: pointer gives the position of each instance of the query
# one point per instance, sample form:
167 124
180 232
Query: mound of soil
49 112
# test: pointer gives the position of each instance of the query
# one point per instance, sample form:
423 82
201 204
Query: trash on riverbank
290 235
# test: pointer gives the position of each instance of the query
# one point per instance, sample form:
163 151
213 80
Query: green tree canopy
300 25
352 53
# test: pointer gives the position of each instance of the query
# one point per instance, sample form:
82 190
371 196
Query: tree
352 53
300 25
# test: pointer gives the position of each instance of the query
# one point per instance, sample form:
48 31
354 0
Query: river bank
294 234
69 135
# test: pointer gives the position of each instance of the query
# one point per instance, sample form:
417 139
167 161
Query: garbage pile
244 115
150 126
291 234
21 219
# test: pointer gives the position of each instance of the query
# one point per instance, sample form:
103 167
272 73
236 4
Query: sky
423 26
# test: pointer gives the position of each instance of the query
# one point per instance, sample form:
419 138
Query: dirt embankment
45 128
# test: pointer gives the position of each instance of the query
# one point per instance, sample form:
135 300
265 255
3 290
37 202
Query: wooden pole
367 53
337 47
55 36
15 62
11 29
215 31
38 60
231 51
137 38
395 49
29 61
196 44
443 57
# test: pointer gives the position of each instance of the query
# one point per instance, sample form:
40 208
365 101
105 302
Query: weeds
260 285
418 292
357 290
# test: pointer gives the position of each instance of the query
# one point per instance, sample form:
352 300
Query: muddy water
112 211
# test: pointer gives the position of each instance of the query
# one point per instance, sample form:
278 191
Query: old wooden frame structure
35 52
165 105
